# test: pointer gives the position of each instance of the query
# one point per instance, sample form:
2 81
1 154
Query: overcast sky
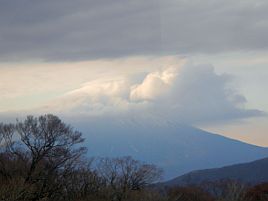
202 62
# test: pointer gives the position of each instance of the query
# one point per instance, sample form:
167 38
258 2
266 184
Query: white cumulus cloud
187 93
154 85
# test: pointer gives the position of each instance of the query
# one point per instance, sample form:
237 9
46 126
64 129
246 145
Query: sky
198 62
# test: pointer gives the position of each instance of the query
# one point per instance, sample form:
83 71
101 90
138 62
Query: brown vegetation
41 159
258 192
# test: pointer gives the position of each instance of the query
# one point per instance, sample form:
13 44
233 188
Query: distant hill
176 148
252 173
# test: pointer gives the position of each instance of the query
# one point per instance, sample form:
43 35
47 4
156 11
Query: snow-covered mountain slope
176 148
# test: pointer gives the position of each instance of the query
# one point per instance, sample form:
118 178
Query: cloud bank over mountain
101 59
188 94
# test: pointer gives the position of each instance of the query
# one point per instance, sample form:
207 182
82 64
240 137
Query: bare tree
258 192
125 174
226 190
48 148
189 194
83 182
41 160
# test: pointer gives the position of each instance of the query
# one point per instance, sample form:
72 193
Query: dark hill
252 173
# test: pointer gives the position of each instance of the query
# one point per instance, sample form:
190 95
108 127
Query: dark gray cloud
84 29
208 26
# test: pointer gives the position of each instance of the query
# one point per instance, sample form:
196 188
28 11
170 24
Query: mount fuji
174 147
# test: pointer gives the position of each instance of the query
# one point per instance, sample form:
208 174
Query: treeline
41 159
225 190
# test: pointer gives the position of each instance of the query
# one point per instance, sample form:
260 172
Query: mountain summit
176 148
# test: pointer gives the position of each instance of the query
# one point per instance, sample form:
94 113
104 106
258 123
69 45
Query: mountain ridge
176 148
254 172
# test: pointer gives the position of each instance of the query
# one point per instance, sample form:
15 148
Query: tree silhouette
46 147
